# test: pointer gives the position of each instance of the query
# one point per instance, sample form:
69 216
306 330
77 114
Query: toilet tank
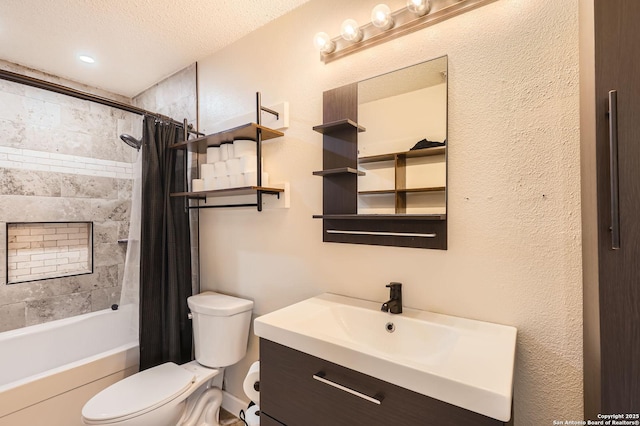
220 328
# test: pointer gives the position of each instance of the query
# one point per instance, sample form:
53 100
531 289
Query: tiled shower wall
61 160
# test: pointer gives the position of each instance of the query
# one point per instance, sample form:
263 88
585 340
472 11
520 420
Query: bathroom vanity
341 361
292 394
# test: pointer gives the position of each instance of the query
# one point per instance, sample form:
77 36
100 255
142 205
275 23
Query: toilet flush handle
190 315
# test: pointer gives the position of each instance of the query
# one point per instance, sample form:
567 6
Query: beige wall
514 204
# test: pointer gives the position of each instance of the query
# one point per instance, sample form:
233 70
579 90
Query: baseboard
233 404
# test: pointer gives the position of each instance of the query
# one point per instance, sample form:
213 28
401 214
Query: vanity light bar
400 22
381 233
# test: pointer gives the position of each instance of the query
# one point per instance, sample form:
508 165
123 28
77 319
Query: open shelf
245 190
339 171
381 216
246 131
425 152
406 190
336 126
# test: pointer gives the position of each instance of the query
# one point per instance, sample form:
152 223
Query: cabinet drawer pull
613 169
382 233
320 377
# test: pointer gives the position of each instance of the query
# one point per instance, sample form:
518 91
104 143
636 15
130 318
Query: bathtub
48 371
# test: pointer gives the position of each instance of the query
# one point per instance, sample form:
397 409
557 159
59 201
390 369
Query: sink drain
390 327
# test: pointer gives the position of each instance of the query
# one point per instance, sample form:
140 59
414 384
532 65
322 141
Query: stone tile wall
61 160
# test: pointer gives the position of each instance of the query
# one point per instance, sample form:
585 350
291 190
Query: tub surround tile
116 210
105 232
21 182
125 187
76 186
108 254
103 298
61 159
53 308
103 277
12 316
16 208
123 230
14 134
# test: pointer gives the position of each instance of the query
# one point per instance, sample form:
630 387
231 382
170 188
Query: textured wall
61 160
514 205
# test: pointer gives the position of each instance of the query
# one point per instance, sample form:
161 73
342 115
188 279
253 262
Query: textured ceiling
136 43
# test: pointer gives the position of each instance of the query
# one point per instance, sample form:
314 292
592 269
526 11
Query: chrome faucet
394 304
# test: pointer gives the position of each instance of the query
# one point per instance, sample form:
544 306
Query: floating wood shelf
425 152
245 190
406 190
336 126
339 171
246 131
381 216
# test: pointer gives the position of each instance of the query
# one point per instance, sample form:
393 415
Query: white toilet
171 394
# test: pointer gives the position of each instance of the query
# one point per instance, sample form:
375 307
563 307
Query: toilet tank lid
217 304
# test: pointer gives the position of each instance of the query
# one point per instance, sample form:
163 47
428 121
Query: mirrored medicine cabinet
385 159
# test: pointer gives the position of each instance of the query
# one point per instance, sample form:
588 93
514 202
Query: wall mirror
403 150
384 143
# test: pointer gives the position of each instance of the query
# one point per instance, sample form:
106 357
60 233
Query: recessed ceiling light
87 59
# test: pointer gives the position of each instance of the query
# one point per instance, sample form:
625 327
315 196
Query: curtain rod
64 90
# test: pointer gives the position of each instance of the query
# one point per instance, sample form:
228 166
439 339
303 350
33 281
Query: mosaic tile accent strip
26 159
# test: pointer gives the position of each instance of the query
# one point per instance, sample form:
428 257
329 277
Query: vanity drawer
298 389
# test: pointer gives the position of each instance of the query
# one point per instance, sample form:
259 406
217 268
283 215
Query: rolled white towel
197 185
207 171
220 168
213 154
234 166
251 178
244 147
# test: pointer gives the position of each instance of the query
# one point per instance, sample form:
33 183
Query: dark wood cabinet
298 389
610 171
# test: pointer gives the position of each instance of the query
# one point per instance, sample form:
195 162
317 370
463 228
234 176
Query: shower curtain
131 279
165 257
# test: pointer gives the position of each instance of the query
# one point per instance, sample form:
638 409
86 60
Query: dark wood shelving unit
251 131
338 125
425 152
406 190
399 160
338 171
341 222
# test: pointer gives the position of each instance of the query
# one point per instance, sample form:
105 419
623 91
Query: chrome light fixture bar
386 25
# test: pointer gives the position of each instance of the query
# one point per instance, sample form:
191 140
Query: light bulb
381 17
86 59
351 31
323 43
419 7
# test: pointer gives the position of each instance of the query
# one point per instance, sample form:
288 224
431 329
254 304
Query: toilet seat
138 394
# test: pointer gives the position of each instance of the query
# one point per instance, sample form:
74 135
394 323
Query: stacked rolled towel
230 165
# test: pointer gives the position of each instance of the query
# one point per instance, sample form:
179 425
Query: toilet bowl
185 395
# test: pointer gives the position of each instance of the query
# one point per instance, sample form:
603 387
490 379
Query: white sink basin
463 362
